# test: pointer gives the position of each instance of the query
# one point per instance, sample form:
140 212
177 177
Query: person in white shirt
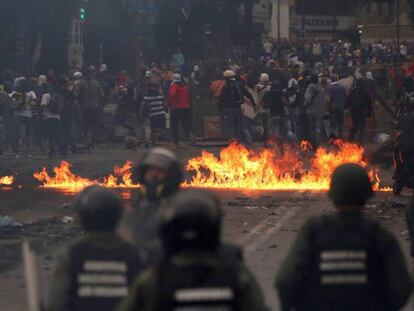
52 123
23 113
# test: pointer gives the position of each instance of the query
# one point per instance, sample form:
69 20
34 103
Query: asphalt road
264 223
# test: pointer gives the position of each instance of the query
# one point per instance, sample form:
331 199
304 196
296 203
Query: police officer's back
344 261
95 272
194 275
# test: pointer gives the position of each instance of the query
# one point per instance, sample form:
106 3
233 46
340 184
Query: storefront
323 27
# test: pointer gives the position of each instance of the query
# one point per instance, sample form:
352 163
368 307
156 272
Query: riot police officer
344 261
159 174
95 272
194 275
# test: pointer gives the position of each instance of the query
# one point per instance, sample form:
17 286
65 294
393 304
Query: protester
154 105
90 96
359 102
180 111
338 96
316 102
52 105
23 113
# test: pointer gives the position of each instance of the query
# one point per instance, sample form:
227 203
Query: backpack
56 103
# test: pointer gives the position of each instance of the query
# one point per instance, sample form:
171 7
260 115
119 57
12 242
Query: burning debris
238 167
269 169
65 179
6 180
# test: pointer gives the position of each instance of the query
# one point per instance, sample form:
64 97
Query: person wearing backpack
337 94
345 260
194 275
52 105
360 106
90 97
316 102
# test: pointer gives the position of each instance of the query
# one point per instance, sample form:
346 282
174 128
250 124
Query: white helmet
103 68
41 79
264 77
176 77
196 68
78 75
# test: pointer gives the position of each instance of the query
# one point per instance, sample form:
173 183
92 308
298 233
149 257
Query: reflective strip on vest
343 255
104 266
102 291
203 294
342 265
204 308
341 279
115 279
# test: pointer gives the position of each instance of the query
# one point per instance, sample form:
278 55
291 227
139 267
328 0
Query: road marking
257 241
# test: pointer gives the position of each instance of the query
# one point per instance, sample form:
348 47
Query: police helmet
350 185
192 221
99 209
165 160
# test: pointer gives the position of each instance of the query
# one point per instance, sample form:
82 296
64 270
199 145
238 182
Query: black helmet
192 221
165 160
99 209
350 185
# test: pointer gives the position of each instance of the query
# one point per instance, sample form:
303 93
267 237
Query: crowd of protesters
289 91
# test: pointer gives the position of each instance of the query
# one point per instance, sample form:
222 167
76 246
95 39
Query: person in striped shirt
154 107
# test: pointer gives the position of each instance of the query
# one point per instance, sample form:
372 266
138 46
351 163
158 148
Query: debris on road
398 204
6 221
67 220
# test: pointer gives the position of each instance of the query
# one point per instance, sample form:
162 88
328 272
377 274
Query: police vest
346 271
100 277
198 287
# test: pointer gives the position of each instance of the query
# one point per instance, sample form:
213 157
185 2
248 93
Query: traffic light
82 14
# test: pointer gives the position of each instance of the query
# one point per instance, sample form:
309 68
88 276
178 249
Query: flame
121 178
238 167
6 180
64 178
270 169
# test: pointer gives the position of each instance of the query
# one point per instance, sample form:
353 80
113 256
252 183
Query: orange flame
64 178
121 178
238 168
269 169
6 180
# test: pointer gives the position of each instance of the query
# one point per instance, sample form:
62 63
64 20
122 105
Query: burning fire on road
65 179
6 180
238 167
269 169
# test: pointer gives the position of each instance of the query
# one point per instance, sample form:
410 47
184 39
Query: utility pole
335 13
278 22
398 22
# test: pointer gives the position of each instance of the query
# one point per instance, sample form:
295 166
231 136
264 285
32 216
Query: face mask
153 190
